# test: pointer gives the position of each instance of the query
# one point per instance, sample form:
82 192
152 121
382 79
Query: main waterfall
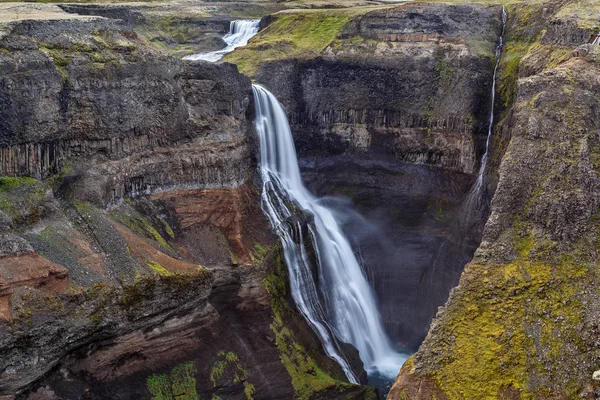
340 305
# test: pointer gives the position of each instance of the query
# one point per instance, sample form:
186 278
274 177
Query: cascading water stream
240 32
474 210
340 305
476 189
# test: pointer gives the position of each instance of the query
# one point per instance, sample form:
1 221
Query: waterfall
474 194
596 40
339 304
240 32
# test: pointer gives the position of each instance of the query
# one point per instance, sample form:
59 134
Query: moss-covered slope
523 322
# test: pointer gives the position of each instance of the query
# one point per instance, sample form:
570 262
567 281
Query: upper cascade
339 303
240 31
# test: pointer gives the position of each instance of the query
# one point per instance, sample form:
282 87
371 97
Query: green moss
20 198
584 12
309 379
557 57
228 365
508 72
180 385
491 320
259 253
56 180
159 387
142 227
297 34
183 383
444 74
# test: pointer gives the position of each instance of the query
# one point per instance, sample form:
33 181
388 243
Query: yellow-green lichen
159 269
228 365
490 325
179 385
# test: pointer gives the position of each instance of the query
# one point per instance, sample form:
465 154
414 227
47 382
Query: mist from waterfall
338 302
240 31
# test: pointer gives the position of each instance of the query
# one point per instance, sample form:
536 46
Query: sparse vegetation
292 35
143 227
228 366
179 385
21 198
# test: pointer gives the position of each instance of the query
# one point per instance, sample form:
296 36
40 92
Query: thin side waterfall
240 32
340 305
596 40
476 189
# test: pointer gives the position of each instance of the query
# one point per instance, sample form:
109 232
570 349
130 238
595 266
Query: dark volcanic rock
523 322
124 118
114 281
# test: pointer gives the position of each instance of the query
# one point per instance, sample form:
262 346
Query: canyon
135 257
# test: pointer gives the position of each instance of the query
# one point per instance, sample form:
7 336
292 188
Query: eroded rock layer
135 261
119 114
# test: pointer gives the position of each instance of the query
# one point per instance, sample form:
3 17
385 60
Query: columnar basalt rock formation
126 118
135 261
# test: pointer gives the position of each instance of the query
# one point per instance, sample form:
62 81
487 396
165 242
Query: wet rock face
127 119
394 115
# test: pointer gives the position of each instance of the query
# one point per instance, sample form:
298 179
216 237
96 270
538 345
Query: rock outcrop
523 322
123 117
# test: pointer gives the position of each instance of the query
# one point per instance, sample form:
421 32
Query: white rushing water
479 182
340 304
596 41
240 32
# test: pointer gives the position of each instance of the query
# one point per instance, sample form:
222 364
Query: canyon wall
523 322
126 117
135 261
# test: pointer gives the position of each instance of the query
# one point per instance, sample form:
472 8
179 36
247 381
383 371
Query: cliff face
101 101
404 83
391 110
522 323
135 261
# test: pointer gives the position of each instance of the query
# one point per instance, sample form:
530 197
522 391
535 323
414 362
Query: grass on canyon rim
298 34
